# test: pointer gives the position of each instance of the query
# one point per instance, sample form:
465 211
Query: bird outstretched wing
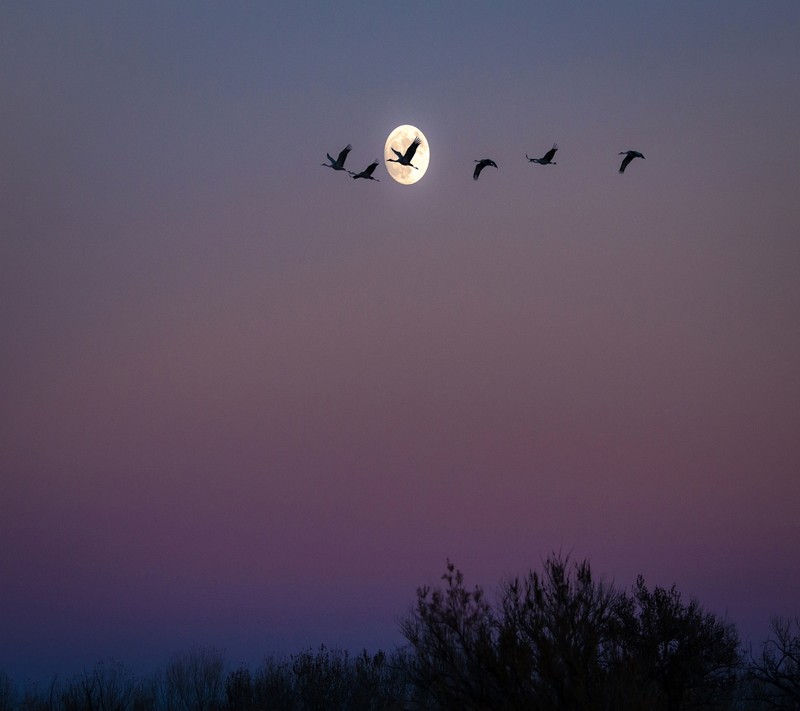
343 155
551 153
627 159
478 168
412 149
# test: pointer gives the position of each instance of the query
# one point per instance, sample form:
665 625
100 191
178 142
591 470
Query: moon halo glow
400 139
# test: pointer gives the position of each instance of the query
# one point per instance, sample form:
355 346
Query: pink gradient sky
252 403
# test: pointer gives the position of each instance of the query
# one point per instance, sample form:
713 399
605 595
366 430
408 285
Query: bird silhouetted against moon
404 162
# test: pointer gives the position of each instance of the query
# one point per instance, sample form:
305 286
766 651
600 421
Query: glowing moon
400 139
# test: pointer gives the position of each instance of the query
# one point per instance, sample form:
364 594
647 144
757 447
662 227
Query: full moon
400 139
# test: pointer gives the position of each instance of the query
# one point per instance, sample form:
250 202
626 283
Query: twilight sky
249 402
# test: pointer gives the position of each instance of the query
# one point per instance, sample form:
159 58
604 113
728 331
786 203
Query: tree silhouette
452 633
561 623
547 645
776 672
194 681
559 639
108 687
678 656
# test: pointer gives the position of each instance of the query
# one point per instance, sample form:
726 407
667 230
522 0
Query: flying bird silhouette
366 173
629 156
481 165
338 164
408 156
547 158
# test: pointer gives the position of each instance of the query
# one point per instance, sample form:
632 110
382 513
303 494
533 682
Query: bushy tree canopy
559 639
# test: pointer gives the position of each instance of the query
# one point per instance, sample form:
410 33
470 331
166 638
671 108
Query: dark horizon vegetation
553 639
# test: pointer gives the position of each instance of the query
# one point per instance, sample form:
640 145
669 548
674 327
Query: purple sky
249 402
